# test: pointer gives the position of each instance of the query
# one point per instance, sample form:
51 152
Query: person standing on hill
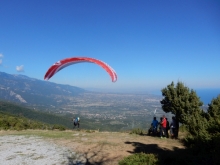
155 125
160 124
173 128
167 128
163 127
76 122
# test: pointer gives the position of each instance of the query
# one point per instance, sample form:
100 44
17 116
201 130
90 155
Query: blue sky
149 43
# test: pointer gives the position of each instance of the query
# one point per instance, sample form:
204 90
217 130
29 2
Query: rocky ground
26 150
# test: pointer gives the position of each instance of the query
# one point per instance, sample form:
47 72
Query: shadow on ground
93 156
176 156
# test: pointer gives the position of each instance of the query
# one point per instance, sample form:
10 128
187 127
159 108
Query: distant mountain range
34 92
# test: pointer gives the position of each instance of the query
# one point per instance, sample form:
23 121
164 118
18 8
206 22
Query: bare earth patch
110 147
105 148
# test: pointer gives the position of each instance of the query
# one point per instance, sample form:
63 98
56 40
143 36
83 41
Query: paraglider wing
69 61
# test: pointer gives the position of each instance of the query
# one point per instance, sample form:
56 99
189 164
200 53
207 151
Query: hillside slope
17 110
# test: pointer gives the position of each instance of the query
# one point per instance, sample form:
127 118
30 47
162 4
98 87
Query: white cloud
1 56
20 68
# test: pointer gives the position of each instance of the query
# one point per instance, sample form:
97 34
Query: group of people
164 127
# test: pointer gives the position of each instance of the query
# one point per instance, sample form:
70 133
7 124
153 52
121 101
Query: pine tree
214 116
186 106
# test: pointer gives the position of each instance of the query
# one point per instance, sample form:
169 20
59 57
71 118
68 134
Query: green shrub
137 131
4 124
59 127
140 159
19 126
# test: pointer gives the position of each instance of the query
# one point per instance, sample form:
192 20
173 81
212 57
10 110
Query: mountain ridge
25 90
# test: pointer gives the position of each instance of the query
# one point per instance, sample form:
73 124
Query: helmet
78 118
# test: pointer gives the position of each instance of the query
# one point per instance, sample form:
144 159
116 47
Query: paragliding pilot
76 122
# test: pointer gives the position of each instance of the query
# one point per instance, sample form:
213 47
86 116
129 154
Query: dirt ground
107 148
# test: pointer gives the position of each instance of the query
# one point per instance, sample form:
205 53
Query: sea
206 95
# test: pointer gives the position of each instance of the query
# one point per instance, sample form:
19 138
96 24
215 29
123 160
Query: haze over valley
98 110
124 111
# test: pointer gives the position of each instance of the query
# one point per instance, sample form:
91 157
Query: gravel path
26 150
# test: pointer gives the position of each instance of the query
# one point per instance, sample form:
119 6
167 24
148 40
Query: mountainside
23 89
20 111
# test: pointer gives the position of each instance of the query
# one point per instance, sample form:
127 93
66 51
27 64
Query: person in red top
163 127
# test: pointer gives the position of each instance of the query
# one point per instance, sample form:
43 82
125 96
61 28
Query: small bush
140 159
19 126
137 131
59 127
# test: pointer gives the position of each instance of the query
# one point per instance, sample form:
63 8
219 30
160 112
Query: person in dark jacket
167 128
173 128
155 125
76 122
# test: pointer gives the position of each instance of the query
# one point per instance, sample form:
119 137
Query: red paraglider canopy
69 61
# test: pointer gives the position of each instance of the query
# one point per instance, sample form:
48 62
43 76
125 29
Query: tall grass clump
137 131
